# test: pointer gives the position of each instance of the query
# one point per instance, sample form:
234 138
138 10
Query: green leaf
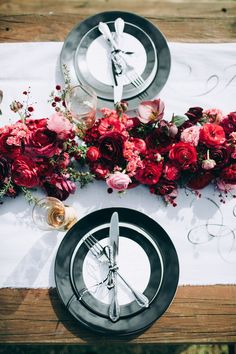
178 120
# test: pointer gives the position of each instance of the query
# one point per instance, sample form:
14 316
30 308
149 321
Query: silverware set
109 254
121 67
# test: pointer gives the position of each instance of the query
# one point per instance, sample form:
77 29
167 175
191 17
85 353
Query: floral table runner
201 75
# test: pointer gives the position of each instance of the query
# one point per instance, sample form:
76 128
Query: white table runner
201 75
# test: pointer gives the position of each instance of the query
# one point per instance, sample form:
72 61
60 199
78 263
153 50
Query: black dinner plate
76 47
161 285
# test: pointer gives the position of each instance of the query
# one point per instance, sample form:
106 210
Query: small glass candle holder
50 213
81 101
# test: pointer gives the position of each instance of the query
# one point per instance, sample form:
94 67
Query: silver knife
118 83
114 308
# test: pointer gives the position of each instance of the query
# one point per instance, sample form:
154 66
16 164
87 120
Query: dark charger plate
155 73
161 286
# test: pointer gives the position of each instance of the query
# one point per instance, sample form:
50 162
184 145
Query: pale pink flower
208 164
213 115
118 181
151 111
60 125
191 135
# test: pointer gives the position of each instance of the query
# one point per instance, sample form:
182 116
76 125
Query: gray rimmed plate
139 233
87 56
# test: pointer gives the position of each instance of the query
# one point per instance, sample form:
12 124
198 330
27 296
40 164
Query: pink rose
118 181
60 125
190 135
151 111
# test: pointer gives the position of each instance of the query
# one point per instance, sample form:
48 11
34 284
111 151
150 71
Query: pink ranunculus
213 115
208 164
60 125
118 181
151 111
191 135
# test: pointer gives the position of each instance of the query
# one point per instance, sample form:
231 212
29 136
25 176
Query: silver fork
102 254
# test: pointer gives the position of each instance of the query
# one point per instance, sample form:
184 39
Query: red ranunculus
228 174
212 135
183 155
111 147
42 142
150 174
93 153
171 172
24 172
200 179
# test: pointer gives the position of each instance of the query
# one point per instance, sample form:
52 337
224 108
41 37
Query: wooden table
198 314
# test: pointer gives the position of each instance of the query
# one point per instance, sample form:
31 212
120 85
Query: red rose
111 147
93 153
212 134
42 142
150 174
200 180
24 172
183 155
228 174
171 172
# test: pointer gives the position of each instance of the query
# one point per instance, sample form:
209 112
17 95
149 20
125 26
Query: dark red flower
220 155
183 155
59 186
163 187
24 172
111 147
200 179
194 114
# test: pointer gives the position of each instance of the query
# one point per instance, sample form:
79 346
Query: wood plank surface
198 314
179 21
